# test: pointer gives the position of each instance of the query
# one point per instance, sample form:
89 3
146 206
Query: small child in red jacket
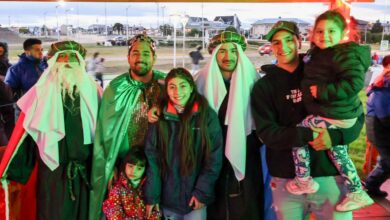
126 199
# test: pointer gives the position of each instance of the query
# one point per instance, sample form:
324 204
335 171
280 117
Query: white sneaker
299 187
355 200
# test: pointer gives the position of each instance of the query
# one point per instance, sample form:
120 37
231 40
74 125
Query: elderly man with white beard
54 134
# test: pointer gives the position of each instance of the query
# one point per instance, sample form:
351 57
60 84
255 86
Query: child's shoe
354 200
298 186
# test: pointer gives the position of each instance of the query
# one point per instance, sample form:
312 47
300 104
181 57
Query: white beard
69 76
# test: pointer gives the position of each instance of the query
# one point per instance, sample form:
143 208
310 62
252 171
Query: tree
118 27
166 29
377 27
195 32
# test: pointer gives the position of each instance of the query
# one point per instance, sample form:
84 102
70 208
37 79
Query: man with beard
226 81
54 134
122 121
25 73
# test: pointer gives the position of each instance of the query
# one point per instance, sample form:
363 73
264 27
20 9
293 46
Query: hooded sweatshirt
339 74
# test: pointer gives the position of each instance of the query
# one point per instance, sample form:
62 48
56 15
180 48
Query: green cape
118 102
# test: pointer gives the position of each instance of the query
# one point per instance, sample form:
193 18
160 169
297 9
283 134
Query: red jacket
125 202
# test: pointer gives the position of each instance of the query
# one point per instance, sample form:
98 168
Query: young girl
184 151
333 77
126 199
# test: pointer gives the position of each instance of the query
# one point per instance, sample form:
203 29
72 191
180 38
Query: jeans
321 204
198 214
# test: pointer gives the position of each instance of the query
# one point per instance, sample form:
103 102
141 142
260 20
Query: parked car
118 41
265 49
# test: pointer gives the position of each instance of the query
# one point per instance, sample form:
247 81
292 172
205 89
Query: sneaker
377 193
299 187
353 201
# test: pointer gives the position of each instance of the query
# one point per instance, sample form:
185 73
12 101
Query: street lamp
127 21
44 23
67 26
163 22
61 4
57 29
184 20
175 18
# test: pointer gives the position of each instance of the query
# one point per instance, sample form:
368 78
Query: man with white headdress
54 134
226 81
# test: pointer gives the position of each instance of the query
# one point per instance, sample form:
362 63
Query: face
141 58
227 57
35 51
1 51
327 34
67 57
179 91
285 47
134 172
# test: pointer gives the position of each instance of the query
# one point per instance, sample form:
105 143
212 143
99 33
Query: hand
149 209
195 204
153 114
323 141
313 90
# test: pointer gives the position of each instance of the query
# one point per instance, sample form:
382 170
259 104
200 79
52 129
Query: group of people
176 146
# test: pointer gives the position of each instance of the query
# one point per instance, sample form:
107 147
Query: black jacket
339 74
277 108
175 191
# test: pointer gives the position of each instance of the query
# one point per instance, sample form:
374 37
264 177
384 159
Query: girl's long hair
188 156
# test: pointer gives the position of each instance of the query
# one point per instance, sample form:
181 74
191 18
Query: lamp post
127 22
184 20
44 23
203 30
163 22
57 29
175 19
67 24
61 3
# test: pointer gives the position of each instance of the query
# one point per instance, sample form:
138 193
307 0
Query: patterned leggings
338 154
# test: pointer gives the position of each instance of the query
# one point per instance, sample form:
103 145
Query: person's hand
153 114
149 209
195 204
322 141
313 90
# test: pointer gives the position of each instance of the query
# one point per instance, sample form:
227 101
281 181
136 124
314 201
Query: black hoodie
339 74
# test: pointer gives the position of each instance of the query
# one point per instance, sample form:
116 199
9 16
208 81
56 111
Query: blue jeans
382 170
198 214
321 204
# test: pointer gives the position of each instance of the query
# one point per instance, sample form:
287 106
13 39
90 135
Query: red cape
21 197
